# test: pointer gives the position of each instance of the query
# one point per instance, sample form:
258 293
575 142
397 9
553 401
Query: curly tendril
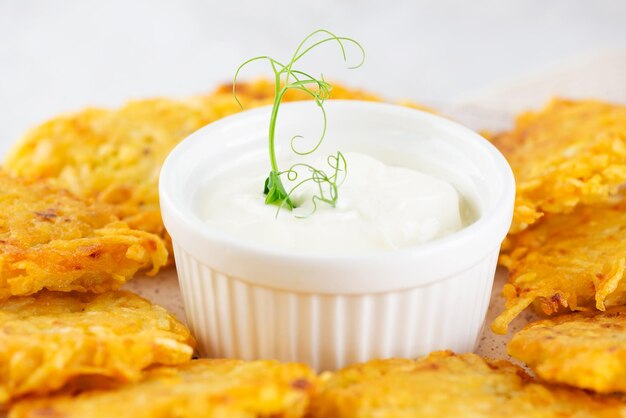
286 78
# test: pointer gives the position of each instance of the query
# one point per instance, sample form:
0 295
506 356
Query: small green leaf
275 191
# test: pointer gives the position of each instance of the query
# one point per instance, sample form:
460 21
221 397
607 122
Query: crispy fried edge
96 366
538 347
298 391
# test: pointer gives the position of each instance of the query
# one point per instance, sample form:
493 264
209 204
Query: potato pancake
567 262
52 240
115 156
570 153
448 385
197 389
585 350
50 339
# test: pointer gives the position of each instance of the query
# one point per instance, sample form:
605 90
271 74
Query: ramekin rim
498 212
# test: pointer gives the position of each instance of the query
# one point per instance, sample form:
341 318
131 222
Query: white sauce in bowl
380 208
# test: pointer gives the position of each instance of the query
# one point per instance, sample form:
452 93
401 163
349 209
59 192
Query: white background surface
65 54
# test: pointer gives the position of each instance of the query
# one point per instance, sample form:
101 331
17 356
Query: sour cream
380 208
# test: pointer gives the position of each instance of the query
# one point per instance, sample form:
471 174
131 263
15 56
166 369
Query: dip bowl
251 302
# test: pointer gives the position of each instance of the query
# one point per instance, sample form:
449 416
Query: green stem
278 96
319 90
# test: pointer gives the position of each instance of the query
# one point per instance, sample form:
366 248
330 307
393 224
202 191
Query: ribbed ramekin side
231 317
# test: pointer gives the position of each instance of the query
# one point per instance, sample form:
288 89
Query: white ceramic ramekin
250 302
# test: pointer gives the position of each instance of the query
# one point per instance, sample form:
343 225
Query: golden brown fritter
198 389
585 350
569 153
448 385
50 339
115 156
574 261
52 240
